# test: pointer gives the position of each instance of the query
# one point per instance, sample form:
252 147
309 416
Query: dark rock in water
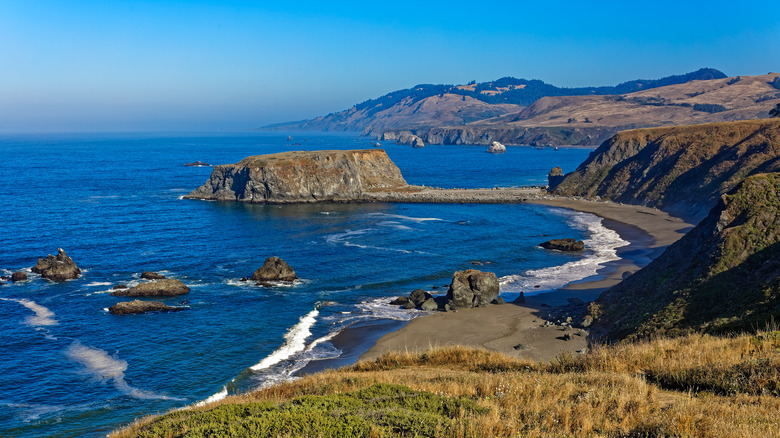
472 288
419 296
429 305
57 268
499 300
120 286
408 305
400 301
198 164
244 279
18 276
520 299
555 177
434 287
159 288
568 244
138 306
274 269
152 276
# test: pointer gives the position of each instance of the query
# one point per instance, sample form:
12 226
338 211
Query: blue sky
236 65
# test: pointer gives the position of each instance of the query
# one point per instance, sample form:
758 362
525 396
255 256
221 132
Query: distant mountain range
520 111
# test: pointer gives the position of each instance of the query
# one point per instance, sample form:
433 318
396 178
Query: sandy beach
518 330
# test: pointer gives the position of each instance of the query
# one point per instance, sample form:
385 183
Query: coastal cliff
723 276
683 169
294 177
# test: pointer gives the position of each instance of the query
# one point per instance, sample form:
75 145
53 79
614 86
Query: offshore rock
152 276
294 177
18 276
138 306
472 288
568 245
496 148
274 269
159 288
57 268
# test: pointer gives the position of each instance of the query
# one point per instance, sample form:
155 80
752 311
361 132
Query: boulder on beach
274 269
18 276
568 245
400 301
419 296
472 288
138 306
429 305
496 148
152 276
160 288
57 268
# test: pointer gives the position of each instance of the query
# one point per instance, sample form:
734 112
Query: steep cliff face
290 177
682 169
722 276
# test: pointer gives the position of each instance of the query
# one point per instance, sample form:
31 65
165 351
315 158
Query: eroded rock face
472 288
294 177
138 306
57 268
568 245
160 288
496 148
274 269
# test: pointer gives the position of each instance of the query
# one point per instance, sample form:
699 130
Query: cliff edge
723 276
682 169
303 176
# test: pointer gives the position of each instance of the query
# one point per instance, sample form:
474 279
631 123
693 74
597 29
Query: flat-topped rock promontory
334 176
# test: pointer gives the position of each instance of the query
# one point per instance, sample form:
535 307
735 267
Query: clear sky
236 65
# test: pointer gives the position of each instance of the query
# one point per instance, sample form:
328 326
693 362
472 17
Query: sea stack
472 288
274 269
496 148
57 268
303 176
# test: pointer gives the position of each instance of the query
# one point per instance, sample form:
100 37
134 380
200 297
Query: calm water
69 368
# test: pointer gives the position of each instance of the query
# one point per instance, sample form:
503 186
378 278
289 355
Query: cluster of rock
57 268
470 288
567 245
159 286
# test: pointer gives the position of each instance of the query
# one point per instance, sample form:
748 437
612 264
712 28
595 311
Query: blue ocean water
113 202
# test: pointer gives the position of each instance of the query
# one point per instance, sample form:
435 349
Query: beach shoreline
520 330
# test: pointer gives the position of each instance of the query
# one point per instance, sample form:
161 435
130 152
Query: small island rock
472 288
138 306
274 269
198 164
160 288
152 276
496 148
18 276
57 268
568 245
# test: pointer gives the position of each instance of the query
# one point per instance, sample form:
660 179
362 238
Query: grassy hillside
682 169
696 386
723 276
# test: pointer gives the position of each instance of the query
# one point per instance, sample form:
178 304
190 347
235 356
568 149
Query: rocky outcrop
138 306
18 276
198 164
406 137
683 169
472 288
57 268
274 269
294 177
496 148
160 288
147 275
567 245
723 276
419 296
554 178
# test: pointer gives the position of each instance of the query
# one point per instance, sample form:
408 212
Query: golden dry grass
607 392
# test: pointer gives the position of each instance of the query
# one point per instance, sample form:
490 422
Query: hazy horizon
86 66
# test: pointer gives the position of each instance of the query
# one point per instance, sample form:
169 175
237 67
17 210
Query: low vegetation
693 386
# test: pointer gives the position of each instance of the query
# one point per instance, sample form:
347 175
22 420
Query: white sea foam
601 247
216 397
98 283
104 368
43 316
408 218
379 308
341 238
295 341
394 224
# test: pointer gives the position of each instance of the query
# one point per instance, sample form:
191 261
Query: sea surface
114 204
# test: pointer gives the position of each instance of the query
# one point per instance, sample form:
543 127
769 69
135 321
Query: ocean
114 203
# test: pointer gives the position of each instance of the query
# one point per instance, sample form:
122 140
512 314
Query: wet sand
518 330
